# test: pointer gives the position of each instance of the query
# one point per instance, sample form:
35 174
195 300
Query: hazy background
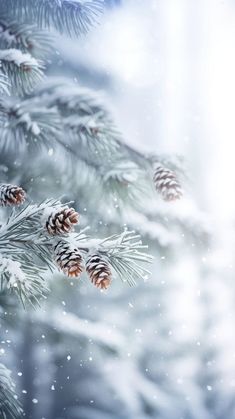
165 349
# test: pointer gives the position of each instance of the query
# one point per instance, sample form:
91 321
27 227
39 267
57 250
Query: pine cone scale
68 259
99 271
11 195
167 184
62 221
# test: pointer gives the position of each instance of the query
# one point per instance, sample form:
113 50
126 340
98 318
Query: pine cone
167 184
69 259
99 271
62 221
11 195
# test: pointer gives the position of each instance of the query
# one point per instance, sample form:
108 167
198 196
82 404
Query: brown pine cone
99 271
61 221
167 184
69 259
11 195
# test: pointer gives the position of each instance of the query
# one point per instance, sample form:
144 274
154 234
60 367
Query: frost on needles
37 237
40 113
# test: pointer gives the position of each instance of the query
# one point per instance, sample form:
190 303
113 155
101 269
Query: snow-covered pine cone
61 221
69 259
11 195
98 270
167 184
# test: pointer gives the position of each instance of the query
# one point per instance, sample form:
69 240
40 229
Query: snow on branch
23 36
23 279
84 112
92 128
125 252
63 114
27 122
130 384
93 133
9 405
23 70
70 97
40 236
77 328
84 118
155 230
91 136
125 182
4 84
74 17
25 252
25 226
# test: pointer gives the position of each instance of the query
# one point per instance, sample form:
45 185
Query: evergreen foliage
40 114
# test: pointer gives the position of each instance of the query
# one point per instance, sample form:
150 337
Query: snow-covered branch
26 37
84 111
26 123
4 84
71 117
41 236
22 69
9 405
76 328
72 16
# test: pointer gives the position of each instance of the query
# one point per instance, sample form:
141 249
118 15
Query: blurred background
164 349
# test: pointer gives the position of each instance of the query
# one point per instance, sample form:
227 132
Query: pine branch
74 17
69 97
81 115
25 253
23 279
25 226
92 137
72 117
84 118
4 84
75 120
91 126
83 111
124 252
23 70
92 133
25 37
125 182
75 328
26 122
174 162
41 236
9 405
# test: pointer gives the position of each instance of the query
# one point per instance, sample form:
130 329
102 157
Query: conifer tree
43 115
